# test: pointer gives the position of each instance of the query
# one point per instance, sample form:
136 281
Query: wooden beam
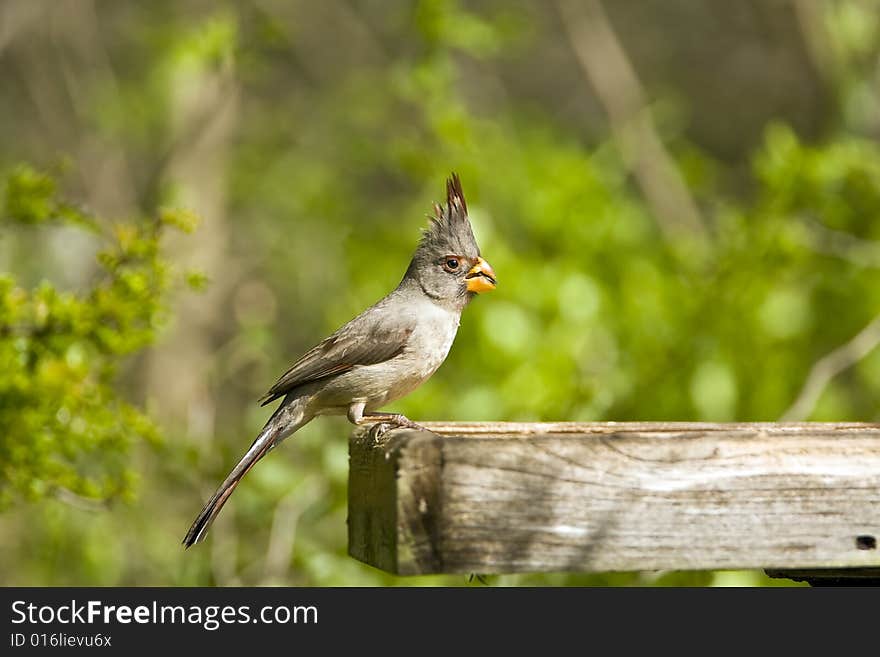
513 497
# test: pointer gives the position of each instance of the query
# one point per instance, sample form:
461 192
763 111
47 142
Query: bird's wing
372 337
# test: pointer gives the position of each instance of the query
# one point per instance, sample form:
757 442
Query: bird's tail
283 422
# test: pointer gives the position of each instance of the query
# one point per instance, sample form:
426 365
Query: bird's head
447 263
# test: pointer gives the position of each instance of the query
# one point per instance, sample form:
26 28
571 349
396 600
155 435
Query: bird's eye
451 264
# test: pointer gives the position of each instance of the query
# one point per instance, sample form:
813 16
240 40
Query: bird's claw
378 430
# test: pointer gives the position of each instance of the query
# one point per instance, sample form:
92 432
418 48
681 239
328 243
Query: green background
682 238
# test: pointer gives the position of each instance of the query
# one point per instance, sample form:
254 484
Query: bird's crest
450 229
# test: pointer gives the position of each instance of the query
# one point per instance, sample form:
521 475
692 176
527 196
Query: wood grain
504 498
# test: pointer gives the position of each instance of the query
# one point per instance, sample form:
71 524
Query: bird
381 355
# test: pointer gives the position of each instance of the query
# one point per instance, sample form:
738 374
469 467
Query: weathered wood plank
494 498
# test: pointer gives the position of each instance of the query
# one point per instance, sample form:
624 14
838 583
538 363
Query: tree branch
829 366
840 244
607 68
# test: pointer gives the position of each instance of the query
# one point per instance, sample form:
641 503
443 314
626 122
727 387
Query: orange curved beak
481 277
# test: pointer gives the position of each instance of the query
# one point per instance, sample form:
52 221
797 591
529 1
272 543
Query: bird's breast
426 349
432 339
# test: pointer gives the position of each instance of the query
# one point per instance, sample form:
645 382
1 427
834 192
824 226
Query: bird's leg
385 421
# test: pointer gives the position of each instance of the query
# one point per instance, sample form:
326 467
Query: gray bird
382 354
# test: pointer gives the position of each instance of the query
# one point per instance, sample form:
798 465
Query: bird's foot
378 431
397 421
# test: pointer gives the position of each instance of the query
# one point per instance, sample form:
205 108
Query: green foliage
31 197
329 163
64 427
